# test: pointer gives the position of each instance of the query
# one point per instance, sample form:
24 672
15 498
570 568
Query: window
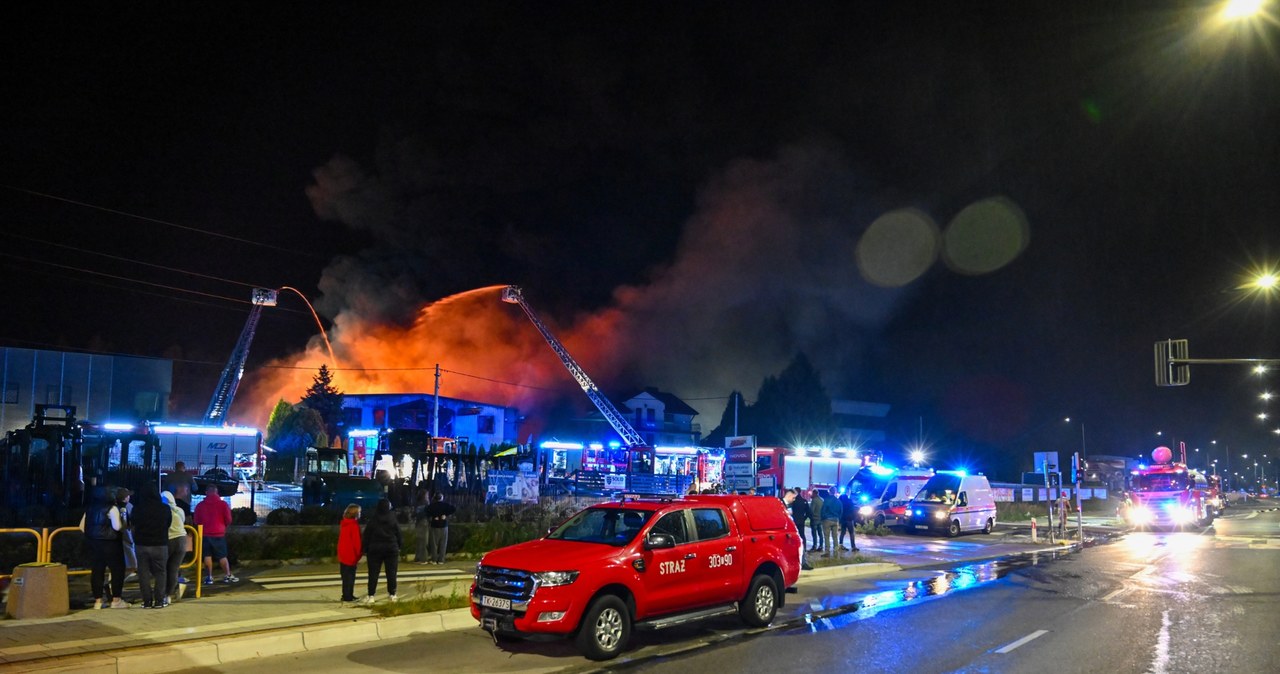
11 396
673 524
649 414
352 416
485 424
56 395
710 523
146 403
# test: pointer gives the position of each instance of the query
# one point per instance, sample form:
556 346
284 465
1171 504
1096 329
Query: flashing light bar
556 444
205 430
595 445
676 450
880 470
118 426
362 433
961 472
615 444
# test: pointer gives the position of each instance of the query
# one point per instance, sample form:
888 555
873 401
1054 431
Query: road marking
1146 570
1160 664
1034 635
1115 594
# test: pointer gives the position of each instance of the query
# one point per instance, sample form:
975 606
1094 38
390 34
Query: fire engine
805 468
639 474
1167 494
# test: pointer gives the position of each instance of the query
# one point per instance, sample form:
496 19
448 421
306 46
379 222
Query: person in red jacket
215 515
349 551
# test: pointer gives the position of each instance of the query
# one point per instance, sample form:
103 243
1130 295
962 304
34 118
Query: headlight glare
554 578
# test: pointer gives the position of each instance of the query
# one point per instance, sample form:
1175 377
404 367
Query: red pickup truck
642 564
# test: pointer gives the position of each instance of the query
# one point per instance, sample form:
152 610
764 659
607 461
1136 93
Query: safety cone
1034 537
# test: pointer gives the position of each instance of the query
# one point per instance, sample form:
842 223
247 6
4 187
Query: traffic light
1167 372
1055 479
1074 476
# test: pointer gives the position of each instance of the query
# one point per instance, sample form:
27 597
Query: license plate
922 526
495 602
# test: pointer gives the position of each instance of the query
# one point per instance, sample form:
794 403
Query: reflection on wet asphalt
962 577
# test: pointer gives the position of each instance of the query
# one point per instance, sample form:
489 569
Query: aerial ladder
225 392
630 437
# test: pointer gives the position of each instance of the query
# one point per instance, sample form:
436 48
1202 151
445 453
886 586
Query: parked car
641 564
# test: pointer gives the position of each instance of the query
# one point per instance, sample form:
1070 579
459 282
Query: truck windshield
610 526
866 486
1159 482
940 489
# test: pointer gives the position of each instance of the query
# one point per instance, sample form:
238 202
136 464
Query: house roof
673 404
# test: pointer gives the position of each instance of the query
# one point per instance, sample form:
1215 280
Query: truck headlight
554 578
1183 516
866 511
1140 515
939 514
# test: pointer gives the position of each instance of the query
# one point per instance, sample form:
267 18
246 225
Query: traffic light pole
1079 503
1173 362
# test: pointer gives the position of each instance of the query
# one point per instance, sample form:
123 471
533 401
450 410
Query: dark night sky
682 187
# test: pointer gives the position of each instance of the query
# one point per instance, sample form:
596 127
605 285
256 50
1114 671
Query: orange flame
487 350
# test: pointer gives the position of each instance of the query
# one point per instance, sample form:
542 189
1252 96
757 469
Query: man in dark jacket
382 542
800 511
848 518
150 523
437 515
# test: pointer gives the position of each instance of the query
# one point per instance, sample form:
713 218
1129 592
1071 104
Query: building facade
482 424
102 388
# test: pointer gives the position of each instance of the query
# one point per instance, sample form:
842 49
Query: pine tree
323 397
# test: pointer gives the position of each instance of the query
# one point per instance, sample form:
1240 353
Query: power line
122 278
161 222
130 260
138 281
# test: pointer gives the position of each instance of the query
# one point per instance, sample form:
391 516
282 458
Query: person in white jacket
177 548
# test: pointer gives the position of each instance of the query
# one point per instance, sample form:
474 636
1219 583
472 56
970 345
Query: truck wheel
954 529
605 629
761 602
879 521
987 529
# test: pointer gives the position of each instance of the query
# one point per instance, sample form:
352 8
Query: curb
850 570
239 648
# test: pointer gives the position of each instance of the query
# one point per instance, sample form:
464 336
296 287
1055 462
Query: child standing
349 550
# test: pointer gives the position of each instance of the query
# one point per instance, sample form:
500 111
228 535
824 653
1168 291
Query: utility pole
736 398
435 413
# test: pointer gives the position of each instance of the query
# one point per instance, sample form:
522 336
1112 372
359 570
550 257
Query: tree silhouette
790 408
323 397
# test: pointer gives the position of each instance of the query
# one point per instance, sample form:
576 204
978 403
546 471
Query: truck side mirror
659 542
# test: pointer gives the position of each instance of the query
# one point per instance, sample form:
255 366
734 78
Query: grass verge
818 561
422 603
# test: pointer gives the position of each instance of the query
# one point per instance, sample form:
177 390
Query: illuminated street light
1259 369
1266 281
1236 10
1266 395
1262 415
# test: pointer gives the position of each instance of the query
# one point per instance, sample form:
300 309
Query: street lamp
1236 10
1084 449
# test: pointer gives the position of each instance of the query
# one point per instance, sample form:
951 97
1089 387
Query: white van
953 501
881 494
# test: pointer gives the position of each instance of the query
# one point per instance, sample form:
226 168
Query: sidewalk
292 609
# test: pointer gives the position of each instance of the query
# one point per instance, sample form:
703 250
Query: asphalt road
1145 602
